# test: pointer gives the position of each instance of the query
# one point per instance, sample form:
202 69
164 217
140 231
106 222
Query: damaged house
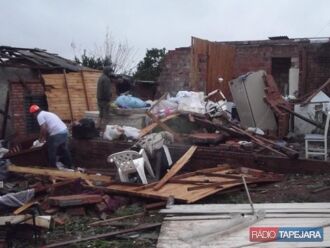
21 84
297 65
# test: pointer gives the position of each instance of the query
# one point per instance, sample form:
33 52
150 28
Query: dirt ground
293 188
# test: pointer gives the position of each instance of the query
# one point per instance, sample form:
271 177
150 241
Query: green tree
149 68
93 61
117 54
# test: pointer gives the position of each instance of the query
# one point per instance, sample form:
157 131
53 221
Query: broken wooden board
176 167
210 181
59 173
207 229
74 200
152 126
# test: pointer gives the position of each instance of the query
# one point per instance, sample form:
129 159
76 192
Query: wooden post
85 89
68 92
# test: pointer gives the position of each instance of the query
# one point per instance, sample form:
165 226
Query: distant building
21 84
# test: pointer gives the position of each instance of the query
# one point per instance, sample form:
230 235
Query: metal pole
248 194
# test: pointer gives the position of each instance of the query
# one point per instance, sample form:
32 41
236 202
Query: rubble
199 149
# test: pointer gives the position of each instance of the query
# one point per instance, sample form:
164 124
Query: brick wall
314 63
175 73
252 58
18 108
318 66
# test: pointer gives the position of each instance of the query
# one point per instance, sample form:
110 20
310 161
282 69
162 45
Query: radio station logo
286 234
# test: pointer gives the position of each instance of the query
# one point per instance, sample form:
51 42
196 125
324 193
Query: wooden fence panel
70 95
211 60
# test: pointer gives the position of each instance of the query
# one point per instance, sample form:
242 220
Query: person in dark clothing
104 93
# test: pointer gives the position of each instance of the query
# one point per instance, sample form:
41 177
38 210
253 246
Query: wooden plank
59 173
105 235
152 126
176 167
179 190
102 222
68 94
308 99
162 125
74 200
24 207
85 89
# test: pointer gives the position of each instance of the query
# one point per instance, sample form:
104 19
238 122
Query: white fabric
37 143
53 123
17 199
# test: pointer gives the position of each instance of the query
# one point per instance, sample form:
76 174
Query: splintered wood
193 186
59 174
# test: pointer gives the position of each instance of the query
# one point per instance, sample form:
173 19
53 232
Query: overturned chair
322 139
128 162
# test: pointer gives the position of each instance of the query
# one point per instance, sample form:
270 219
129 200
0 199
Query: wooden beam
59 173
215 174
317 124
74 200
24 207
102 222
68 92
162 125
152 126
105 235
257 141
176 167
85 89
157 102
308 99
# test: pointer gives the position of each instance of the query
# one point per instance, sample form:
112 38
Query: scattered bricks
74 200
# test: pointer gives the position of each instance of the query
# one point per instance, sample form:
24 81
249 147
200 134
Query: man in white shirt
54 131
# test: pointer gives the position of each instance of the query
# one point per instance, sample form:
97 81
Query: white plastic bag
112 132
190 101
131 132
37 143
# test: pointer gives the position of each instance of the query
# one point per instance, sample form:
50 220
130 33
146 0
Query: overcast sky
56 24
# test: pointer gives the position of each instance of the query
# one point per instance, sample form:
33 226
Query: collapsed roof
34 58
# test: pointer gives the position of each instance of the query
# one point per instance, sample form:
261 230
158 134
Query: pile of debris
257 122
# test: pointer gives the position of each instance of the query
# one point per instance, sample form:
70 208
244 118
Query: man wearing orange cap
55 132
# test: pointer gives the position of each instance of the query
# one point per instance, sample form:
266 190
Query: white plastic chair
318 138
167 155
128 162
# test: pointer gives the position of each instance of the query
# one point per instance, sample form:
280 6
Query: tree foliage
150 67
93 61
117 54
